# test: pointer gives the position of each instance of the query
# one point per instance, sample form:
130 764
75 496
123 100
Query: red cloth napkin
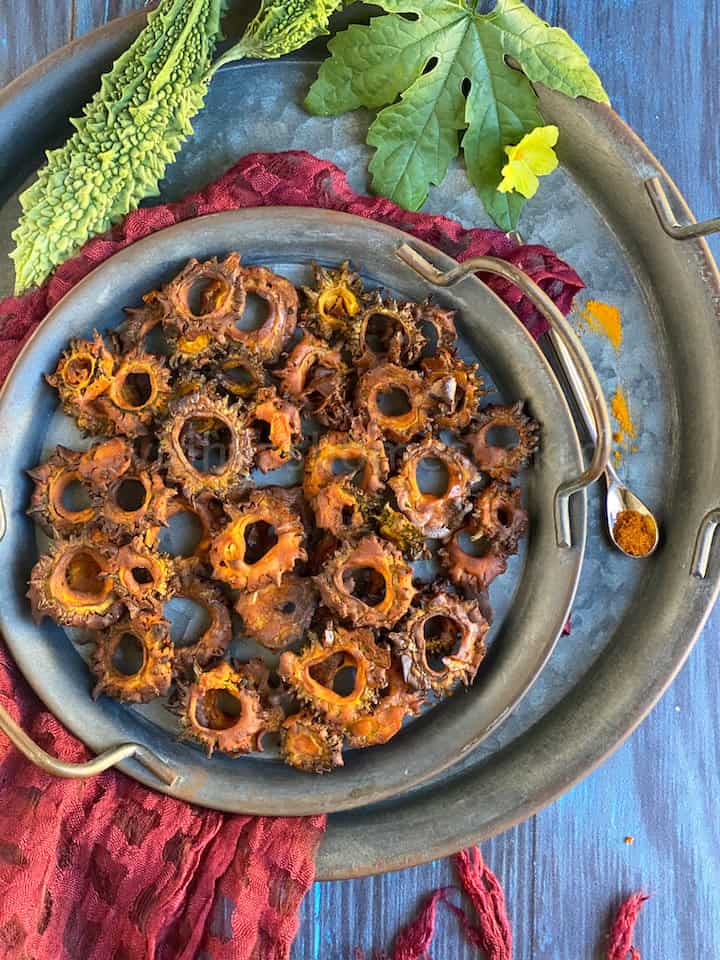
105 869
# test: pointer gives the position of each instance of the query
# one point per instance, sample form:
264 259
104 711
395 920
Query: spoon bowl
619 499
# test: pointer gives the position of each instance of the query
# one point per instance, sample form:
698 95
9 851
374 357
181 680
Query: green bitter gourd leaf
440 67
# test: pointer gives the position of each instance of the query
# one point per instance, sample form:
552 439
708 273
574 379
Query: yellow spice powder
605 320
621 414
626 431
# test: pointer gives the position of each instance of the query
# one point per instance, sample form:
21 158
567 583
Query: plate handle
585 379
668 221
78 771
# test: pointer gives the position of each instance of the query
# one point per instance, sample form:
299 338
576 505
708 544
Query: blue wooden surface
568 867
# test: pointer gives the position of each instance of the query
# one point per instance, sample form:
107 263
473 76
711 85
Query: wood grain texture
565 870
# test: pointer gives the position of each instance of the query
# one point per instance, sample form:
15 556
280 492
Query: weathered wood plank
660 788
89 14
26 35
660 64
337 918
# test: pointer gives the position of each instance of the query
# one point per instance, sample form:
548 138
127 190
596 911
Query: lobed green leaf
439 70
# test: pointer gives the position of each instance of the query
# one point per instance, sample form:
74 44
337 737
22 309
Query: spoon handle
583 404
571 372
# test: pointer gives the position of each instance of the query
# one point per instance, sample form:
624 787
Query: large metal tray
633 624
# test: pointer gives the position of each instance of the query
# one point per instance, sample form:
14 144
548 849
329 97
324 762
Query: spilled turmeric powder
626 432
603 319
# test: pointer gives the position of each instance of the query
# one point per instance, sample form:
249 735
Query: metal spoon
619 497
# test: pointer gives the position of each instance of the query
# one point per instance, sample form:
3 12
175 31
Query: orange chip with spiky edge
442 642
310 745
369 583
263 541
148 678
205 717
313 672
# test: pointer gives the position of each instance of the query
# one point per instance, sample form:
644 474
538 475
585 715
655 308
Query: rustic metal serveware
611 187
286 239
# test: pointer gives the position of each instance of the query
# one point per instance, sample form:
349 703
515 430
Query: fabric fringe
621 932
490 930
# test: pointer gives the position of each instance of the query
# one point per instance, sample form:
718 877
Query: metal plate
287 240
633 624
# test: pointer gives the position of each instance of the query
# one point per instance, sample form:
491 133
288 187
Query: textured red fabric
293 178
621 933
105 869
492 932
489 930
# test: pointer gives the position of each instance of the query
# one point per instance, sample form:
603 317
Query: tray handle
668 221
703 544
586 379
78 771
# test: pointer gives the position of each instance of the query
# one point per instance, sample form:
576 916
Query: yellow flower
533 157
